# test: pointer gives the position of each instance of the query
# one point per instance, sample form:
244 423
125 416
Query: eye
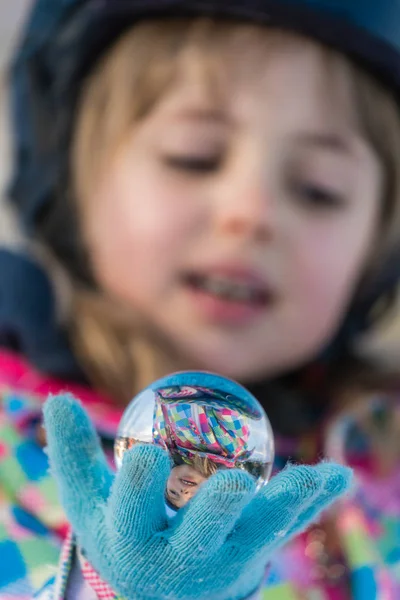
194 164
188 483
316 195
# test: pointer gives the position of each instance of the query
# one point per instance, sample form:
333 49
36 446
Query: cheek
136 227
327 267
171 483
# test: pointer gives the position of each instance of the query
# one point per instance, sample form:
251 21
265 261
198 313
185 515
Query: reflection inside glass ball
206 423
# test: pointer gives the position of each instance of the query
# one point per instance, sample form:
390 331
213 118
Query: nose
244 206
187 492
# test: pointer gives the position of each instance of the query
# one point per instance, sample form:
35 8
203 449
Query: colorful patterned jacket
354 554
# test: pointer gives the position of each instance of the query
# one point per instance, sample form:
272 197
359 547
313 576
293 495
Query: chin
252 370
233 366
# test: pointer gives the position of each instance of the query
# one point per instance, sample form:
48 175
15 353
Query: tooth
227 289
218 287
242 294
236 291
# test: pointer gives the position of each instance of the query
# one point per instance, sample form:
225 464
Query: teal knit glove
218 545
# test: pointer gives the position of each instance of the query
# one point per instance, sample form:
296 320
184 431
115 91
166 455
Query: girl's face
183 484
240 234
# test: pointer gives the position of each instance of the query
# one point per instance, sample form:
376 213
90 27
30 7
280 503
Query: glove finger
76 459
338 481
204 524
137 501
288 504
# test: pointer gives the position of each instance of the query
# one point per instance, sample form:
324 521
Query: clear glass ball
206 423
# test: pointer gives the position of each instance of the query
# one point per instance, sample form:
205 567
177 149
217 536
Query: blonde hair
203 465
124 88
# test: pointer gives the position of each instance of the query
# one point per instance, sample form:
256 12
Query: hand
218 545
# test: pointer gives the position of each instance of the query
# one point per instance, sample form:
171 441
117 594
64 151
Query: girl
217 186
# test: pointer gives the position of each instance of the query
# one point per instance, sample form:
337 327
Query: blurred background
386 344
11 15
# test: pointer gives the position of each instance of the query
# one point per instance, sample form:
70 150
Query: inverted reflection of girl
201 439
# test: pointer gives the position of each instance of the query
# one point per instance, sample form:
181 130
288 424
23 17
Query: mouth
229 285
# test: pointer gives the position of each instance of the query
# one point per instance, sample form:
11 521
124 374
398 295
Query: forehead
260 76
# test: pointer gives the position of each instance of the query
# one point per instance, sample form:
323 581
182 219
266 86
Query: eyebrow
326 141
